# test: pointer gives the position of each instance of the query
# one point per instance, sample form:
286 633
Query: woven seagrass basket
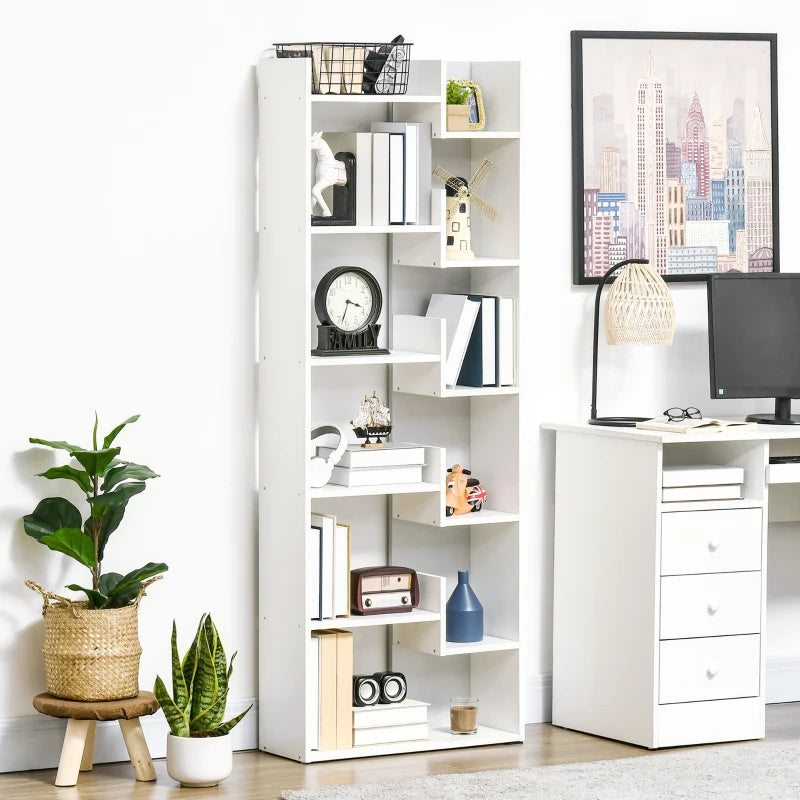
90 654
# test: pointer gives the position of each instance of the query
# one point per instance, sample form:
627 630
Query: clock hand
345 313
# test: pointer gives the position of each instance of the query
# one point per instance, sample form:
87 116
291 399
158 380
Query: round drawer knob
367 603
712 671
713 544
713 607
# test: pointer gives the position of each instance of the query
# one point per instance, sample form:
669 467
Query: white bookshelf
399 524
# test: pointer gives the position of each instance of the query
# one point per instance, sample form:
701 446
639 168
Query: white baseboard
783 679
34 742
538 705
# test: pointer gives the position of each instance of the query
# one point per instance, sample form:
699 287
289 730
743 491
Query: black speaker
366 690
393 686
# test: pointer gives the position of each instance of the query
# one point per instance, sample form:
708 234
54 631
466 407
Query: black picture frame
582 197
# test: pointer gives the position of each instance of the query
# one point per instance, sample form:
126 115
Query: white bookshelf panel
406 618
394 357
439 738
331 491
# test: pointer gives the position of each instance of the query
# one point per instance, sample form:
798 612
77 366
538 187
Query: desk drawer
709 669
693 542
710 605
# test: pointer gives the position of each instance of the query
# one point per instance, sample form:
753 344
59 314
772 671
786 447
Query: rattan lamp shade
639 308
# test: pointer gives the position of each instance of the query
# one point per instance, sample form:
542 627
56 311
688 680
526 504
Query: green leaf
176 718
211 718
179 690
95 462
205 690
218 654
70 474
226 727
113 435
117 497
50 515
70 448
126 472
96 599
111 519
74 543
189 663
126 582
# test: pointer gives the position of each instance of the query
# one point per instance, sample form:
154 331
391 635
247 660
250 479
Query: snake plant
200 685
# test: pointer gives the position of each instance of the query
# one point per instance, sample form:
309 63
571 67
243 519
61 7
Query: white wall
128 251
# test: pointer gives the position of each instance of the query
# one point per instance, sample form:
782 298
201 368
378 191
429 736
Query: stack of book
329 713
702 482
396 722
328 566
393 172
395 462
479 336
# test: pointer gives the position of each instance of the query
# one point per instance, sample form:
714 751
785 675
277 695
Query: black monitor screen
754 335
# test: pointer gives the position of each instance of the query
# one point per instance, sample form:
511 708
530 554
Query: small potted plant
91 647
457 108
199 746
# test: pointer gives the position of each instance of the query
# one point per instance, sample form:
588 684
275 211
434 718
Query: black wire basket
353 67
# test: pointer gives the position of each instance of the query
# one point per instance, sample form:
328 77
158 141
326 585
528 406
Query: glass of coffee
463 715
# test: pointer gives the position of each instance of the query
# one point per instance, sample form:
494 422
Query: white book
328 524
677 494
380 179
505 341
360 145
313 575
459 313
397 179
390 733
392 454
341 570
406 712
418 165
489 340
312 709
378 476
702 425
701 475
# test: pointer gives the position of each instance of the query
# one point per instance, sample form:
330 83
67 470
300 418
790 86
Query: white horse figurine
330 172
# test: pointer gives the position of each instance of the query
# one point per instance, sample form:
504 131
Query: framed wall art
674 152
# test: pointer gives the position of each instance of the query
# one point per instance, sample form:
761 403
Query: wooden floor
257 776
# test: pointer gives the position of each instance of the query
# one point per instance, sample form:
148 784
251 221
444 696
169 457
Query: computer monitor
754 340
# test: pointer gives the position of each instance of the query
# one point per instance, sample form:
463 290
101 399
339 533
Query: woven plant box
90 654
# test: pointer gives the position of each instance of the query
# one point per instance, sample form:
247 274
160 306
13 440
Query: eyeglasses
676 414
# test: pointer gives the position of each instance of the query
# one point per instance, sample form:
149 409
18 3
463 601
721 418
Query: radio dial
367 602
404 599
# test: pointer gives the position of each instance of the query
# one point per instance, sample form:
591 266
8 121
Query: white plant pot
199 761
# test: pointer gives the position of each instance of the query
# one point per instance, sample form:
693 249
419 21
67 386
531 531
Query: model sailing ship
373 421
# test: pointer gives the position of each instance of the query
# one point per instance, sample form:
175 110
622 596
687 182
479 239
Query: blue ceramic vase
464 613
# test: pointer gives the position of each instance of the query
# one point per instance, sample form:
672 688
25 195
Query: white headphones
321 469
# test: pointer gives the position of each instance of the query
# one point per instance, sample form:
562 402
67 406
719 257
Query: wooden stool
78 750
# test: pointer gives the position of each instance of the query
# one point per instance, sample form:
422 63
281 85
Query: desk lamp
639 310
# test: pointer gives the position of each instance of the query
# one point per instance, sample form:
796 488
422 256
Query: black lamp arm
600 286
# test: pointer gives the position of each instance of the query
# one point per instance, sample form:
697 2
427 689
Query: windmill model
460 196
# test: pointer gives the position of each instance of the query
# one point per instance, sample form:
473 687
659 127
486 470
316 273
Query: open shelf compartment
427 335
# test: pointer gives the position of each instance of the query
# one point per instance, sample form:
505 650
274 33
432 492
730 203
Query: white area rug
753 771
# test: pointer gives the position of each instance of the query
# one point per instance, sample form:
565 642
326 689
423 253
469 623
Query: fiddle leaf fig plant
200 684
108 483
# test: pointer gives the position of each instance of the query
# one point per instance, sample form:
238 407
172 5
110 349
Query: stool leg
72 751
137 749
87 760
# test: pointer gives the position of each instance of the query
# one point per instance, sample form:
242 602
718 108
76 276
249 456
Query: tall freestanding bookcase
402 524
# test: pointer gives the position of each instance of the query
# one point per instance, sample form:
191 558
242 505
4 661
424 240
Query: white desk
659 608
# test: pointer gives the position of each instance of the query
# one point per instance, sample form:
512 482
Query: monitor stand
782 416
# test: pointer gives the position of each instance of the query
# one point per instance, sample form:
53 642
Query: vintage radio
383 590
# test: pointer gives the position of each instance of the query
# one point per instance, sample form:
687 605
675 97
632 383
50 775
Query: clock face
349 301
